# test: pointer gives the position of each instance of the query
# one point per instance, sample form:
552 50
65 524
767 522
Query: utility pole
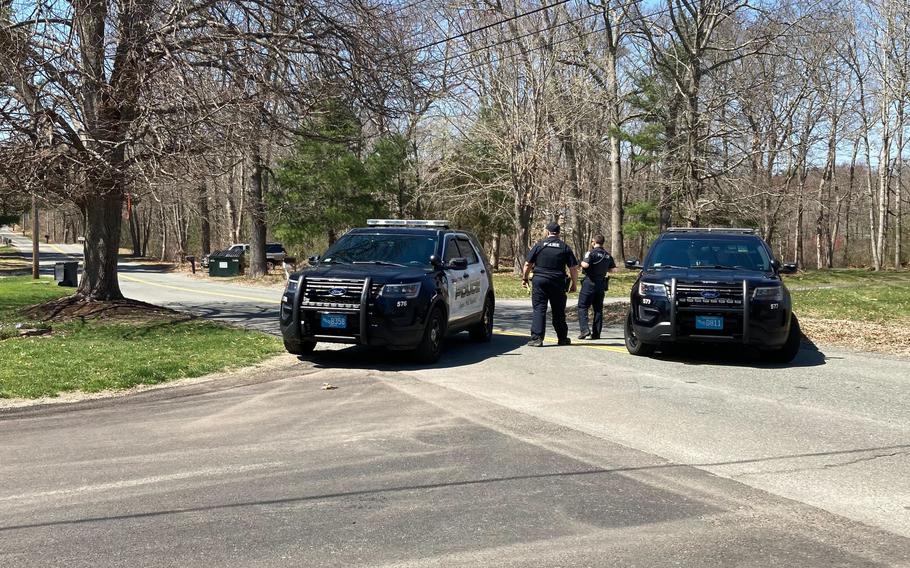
35 240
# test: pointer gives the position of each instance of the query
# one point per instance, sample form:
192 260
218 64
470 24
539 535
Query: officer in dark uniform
549 259
597 264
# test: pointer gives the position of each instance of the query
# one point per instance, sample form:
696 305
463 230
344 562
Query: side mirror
633 264
313 259
458 263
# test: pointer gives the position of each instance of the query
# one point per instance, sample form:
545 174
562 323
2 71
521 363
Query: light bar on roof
436 223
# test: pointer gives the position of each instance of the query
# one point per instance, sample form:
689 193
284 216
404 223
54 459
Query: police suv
398 284
712 286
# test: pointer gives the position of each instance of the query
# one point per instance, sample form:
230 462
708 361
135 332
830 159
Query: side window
467 250
451 250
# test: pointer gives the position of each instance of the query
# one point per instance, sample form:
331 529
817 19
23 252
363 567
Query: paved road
498 455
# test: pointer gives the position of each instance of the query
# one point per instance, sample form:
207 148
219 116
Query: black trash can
66 274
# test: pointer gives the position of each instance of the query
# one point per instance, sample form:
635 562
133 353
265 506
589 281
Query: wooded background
175 128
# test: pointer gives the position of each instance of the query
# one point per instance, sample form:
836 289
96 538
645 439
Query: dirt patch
892 338
125 311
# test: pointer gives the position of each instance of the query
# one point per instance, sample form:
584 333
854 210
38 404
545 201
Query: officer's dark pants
592 294
552 291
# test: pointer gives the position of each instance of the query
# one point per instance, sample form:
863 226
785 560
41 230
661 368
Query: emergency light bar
730 230
435 223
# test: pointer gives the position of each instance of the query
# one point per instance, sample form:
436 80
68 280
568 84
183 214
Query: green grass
508 286
19 292
857 295
94 356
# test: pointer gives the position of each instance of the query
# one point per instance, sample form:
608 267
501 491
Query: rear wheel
634 345
300 348
789 350
482 331
431 345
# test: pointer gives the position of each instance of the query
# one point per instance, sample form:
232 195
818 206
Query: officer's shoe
592 336
584 335
564 341
535 342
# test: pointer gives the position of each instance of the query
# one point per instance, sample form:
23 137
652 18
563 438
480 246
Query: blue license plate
334 321
709 322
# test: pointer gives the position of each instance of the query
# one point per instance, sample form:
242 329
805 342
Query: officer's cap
553 227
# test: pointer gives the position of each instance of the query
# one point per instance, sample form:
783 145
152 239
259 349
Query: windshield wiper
671 266
718 267
380 262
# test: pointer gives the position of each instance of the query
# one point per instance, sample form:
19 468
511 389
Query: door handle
466 275
483 271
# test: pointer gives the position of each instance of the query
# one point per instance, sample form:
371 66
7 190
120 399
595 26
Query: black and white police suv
398 284
712 286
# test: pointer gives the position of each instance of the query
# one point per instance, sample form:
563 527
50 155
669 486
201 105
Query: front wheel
301 348
482 331
790 349
431 345
634 345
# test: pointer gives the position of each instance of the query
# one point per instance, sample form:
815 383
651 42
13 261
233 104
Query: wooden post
35 240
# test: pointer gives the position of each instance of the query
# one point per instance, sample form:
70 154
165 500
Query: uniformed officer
549 259
597 264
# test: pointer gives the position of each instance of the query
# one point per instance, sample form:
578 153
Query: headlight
649 289
409 290
292 285
769 294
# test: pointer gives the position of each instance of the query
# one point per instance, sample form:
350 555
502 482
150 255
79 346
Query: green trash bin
226 263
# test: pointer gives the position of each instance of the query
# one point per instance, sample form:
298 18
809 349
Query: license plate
709 322
334 321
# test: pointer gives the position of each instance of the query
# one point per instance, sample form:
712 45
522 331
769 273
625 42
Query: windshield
404 250
744 254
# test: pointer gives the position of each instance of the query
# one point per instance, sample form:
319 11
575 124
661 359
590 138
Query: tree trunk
494 254
135 230
205 228
616 193
103 217
898 224
256 210
36 272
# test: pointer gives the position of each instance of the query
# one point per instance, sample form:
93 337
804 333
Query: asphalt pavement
499 455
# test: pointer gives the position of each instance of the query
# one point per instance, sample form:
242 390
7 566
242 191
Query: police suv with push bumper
712 286
398 284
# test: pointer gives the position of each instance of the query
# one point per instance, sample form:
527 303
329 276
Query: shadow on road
459 351
738 356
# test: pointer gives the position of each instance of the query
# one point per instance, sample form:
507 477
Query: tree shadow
458 351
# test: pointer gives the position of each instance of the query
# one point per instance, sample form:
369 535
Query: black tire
790 349
302 348
634 345
431 345
482 332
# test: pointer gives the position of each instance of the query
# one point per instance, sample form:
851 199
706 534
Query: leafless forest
175 128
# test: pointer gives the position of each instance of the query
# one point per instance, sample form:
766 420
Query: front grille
332 293
709 295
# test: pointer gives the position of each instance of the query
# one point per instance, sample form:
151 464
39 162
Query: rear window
274 248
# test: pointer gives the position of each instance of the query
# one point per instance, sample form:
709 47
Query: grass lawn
97 355
852 294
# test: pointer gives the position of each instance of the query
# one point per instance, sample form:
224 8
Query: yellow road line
195 291
585 345
63 252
